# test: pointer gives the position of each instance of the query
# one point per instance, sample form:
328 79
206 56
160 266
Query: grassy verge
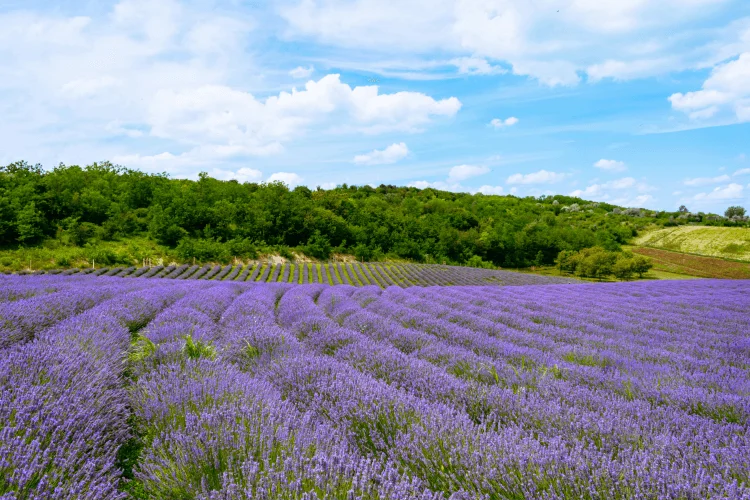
53 254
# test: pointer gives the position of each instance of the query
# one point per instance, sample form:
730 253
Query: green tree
362 253
735 210
641 265
567 261
29 224
596 263
623 268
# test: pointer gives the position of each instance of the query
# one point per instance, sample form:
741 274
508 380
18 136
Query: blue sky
636 102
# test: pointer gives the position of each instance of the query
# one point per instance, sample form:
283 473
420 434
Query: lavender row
358 274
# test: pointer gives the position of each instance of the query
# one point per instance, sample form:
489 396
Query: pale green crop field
730 243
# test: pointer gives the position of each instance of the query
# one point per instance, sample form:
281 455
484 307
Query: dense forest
213 220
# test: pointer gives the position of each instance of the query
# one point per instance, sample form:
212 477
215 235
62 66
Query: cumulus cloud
700 181
636 193
490 190
289 178
225 115
499 122
457 174
165 69
420 184
610 165
390 155
636 201
539 177
463 172
554 42
457 187
243 175
741 172
727 89
729 192
118 129
300 72
476 66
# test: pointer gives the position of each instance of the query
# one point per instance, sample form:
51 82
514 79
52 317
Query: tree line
214 220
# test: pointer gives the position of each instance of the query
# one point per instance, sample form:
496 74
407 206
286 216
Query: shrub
202 249
478 262
318 246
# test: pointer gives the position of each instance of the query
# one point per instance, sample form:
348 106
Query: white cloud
164 69
116 128
612 192
554 41
727 89
243 175
704 113
420 184
700 181
219 114
499 122
729 192
300 72
626 70
741 172
457 187
289 178
610 165
637 201
391 154
463 172
490 190
476 66
184 164
87 87
539 177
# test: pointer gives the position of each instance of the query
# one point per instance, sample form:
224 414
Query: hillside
73 215
715 241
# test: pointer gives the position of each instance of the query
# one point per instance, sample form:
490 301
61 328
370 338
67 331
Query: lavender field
357 274
113 388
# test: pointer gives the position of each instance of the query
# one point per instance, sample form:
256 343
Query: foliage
29 224
319 246
597 262
735 210
209 219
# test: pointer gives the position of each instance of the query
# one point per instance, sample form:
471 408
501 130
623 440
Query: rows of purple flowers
277 390
357 274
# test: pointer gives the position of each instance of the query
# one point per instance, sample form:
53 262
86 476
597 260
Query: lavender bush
114 388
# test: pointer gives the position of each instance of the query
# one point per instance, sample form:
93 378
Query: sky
640 103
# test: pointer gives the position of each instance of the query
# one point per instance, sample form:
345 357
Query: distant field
356 274
696 266
729 243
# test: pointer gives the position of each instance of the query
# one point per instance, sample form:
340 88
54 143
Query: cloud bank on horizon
634 102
